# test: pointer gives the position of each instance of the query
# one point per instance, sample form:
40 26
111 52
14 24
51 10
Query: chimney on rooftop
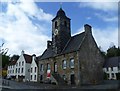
22 52
49 44
88 29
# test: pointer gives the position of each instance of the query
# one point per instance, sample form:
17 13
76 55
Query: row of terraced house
67 59
23 69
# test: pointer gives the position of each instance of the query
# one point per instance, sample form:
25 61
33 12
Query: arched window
65 23
56 24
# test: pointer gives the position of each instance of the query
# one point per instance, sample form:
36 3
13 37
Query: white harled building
24 69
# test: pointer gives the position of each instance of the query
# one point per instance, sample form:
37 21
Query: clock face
56 32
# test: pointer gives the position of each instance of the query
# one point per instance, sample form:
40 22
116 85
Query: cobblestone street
8 84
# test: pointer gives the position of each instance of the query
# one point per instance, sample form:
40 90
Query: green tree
113 51
5 57
5 60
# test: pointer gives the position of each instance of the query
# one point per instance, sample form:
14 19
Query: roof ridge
82 40
77 34
71 39
27 54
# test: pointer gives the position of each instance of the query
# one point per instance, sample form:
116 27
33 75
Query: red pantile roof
28 58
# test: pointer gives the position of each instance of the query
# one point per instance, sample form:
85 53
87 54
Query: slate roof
112 62
28 58
61 13
48 53
72 45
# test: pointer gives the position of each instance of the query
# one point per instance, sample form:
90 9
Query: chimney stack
34 57
88 29
22 52
49 44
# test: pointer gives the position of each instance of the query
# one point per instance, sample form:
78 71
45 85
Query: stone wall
91 61
68 71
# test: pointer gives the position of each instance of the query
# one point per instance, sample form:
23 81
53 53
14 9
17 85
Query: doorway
72 79
41 77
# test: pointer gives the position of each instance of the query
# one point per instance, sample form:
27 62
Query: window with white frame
72 63
22 63
35 69
19 70
48 66
22 70
31 77
41 67
19 63
16 70
64 64
35 77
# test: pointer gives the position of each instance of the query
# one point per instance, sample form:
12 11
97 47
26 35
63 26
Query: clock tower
61 31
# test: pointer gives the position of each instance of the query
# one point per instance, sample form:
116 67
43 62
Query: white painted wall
33 73
111 71
20 66
27 72
11 71
21 63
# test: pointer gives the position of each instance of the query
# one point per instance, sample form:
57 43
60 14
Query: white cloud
104 37
88 18
65 0
104 6
107 11
107 18
18 30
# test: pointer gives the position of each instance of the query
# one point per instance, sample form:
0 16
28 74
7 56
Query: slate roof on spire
61 13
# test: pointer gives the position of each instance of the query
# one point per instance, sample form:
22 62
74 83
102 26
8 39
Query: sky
27 25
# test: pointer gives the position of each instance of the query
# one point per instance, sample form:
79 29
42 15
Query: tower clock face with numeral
56 32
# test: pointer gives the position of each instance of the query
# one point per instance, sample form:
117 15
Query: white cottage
11 69
23 65
112 68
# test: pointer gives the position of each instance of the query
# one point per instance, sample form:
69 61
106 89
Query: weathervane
60 4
